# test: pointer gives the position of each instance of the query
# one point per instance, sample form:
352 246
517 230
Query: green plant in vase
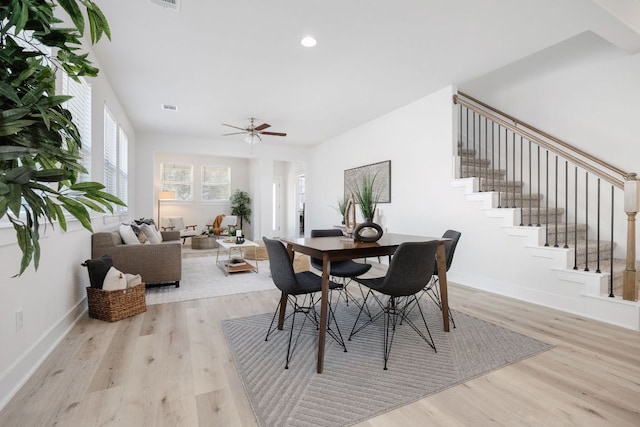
241 206
367 195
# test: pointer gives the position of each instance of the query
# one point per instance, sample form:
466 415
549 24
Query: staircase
549 222
564 206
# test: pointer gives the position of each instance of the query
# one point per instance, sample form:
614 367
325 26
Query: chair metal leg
371 318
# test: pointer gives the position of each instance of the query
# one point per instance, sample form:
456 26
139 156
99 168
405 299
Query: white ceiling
226 61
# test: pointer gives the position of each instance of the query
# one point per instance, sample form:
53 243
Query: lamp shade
166 195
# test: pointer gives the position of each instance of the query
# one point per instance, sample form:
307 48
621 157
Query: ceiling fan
253 132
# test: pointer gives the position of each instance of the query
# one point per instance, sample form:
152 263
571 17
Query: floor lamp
164 195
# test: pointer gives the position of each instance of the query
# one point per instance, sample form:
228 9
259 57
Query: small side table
203 242
242 264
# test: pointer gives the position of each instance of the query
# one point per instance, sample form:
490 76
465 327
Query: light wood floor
171 366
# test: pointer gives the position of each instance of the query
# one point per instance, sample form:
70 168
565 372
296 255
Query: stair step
479 163
589 252
470 170
564 232
521 200
541 215
502 186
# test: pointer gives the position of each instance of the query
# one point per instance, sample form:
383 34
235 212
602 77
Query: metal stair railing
524 164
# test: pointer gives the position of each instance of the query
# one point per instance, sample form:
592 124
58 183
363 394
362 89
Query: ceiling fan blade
233 133
263 126
235 127
274 133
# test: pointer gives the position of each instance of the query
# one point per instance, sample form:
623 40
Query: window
177 178
80 108
216 183
116 145
123 165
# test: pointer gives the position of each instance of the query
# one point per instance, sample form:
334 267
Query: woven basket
115 305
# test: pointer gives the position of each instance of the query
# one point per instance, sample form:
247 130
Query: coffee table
242 264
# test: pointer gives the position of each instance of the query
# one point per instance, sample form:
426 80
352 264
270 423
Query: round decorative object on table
367 231
203 242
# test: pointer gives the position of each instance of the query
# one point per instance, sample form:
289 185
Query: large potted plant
39 142
241 206
367 194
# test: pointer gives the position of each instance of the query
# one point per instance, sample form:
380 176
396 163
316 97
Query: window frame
204 183
173 185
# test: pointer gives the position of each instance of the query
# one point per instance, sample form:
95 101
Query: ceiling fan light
252 138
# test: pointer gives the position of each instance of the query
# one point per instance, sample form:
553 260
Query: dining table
338 248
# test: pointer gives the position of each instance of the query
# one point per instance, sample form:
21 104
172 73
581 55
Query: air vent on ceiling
167 4
169 107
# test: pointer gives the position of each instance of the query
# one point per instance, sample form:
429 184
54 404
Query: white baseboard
19 373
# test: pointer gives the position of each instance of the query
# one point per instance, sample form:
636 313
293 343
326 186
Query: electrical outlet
19 320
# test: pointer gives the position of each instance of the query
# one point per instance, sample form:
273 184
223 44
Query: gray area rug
353 386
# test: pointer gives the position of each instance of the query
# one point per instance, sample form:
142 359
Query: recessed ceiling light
308 41
169 107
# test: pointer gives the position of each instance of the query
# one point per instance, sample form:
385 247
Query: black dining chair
300 290
411 266
432 289
344 271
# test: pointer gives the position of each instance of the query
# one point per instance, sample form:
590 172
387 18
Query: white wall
418 139
583 90
52 298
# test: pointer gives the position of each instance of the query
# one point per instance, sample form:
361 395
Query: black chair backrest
323 232
328 232
281 267
449 247
411 267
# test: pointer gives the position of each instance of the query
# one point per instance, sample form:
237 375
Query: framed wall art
382 172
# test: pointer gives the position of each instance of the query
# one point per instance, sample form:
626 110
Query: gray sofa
159 263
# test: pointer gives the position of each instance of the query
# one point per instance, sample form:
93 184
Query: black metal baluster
460 141
499 163
474 145
467 153
555 216
566 204
486 150
586 220
575 221
611 250
598 231
493 155
513 141
530 185
546 197
506 167
538 187
521 179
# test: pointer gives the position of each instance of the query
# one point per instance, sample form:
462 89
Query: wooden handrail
513 127
544 134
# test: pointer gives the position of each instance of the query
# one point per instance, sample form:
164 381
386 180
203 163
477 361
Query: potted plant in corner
241 206
367 195
39 142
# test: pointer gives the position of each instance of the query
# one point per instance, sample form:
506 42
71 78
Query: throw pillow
136 229
98 269
133 280
115 280
127 235
152 235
